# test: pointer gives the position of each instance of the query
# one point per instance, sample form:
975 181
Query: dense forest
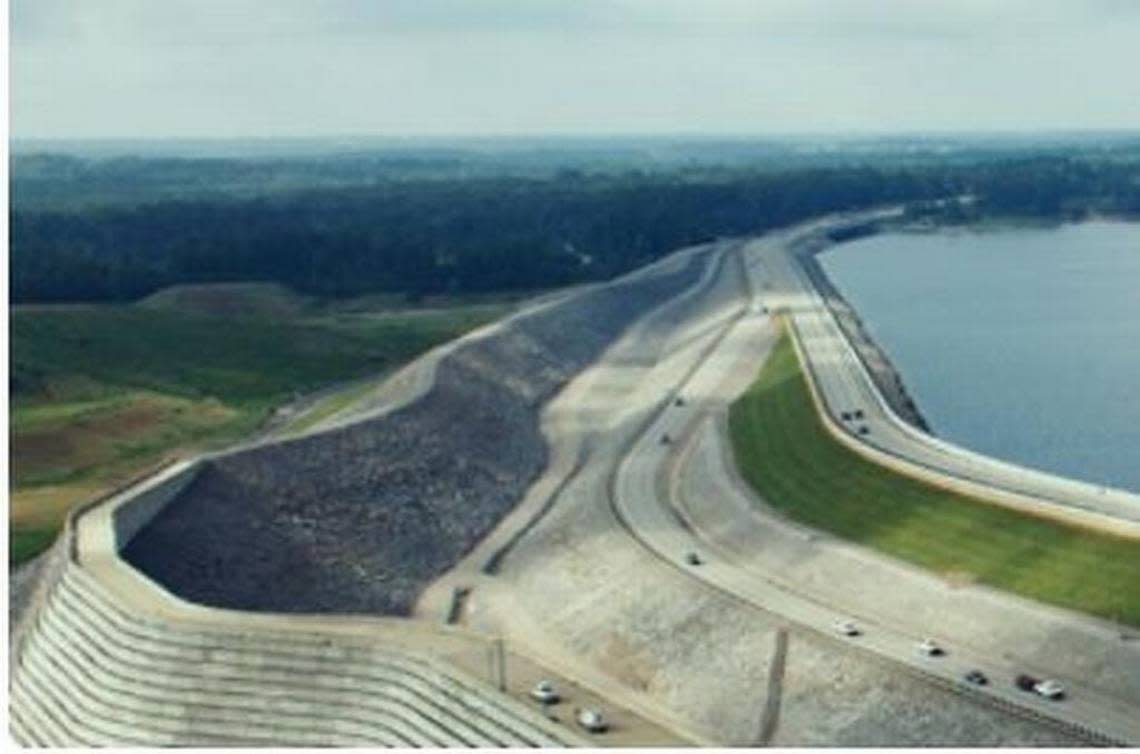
441 223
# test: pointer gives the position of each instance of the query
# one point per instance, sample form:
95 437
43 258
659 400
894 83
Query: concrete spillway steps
92 674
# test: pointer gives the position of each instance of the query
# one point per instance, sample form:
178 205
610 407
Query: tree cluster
470 234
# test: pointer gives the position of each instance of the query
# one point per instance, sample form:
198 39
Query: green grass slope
784 452
227 299
101 393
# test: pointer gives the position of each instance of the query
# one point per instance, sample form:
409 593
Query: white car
930 648
1049 689
592 720
846 628
544 692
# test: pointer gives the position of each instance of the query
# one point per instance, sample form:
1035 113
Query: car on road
693 559
846 416
1050 689
545 692
1026 682
592 720
858 413
679 401
864 430
666 439
976 677
846 628
930 648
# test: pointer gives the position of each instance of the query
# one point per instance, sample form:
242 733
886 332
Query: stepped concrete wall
94 673
128 519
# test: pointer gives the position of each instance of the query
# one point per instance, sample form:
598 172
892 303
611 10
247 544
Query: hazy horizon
963 134
495 69
651 147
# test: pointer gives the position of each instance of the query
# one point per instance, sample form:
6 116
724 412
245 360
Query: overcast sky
280 68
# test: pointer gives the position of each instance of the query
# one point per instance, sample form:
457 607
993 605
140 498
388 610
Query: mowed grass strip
784 452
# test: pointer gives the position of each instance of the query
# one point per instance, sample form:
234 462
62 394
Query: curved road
644 497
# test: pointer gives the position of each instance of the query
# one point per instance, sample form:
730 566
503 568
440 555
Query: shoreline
886 377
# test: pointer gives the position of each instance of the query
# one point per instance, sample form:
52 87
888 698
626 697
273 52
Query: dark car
976 677
666 439
679 402
864 430
1025 682
859 413
846 416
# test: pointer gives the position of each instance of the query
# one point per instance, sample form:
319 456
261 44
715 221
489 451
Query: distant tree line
484 233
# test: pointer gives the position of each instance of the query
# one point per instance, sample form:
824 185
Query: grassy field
101 393
787 456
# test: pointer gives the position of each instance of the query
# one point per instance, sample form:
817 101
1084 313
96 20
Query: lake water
1022 344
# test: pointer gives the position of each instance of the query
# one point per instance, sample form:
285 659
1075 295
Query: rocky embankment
361 518
885 376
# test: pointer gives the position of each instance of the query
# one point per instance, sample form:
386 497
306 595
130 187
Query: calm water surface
1021 344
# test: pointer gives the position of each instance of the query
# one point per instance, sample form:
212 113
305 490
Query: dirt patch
46 506
57 451
34 451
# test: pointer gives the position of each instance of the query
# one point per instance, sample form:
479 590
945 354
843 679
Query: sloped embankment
362 518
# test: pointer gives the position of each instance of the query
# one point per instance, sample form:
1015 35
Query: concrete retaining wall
130 518
92 673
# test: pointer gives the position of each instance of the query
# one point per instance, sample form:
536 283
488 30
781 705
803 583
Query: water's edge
1081 320
887 379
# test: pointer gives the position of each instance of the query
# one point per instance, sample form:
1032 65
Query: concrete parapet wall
131 517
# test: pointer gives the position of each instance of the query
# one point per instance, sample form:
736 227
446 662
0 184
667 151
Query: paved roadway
643 498
709 355
587 425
